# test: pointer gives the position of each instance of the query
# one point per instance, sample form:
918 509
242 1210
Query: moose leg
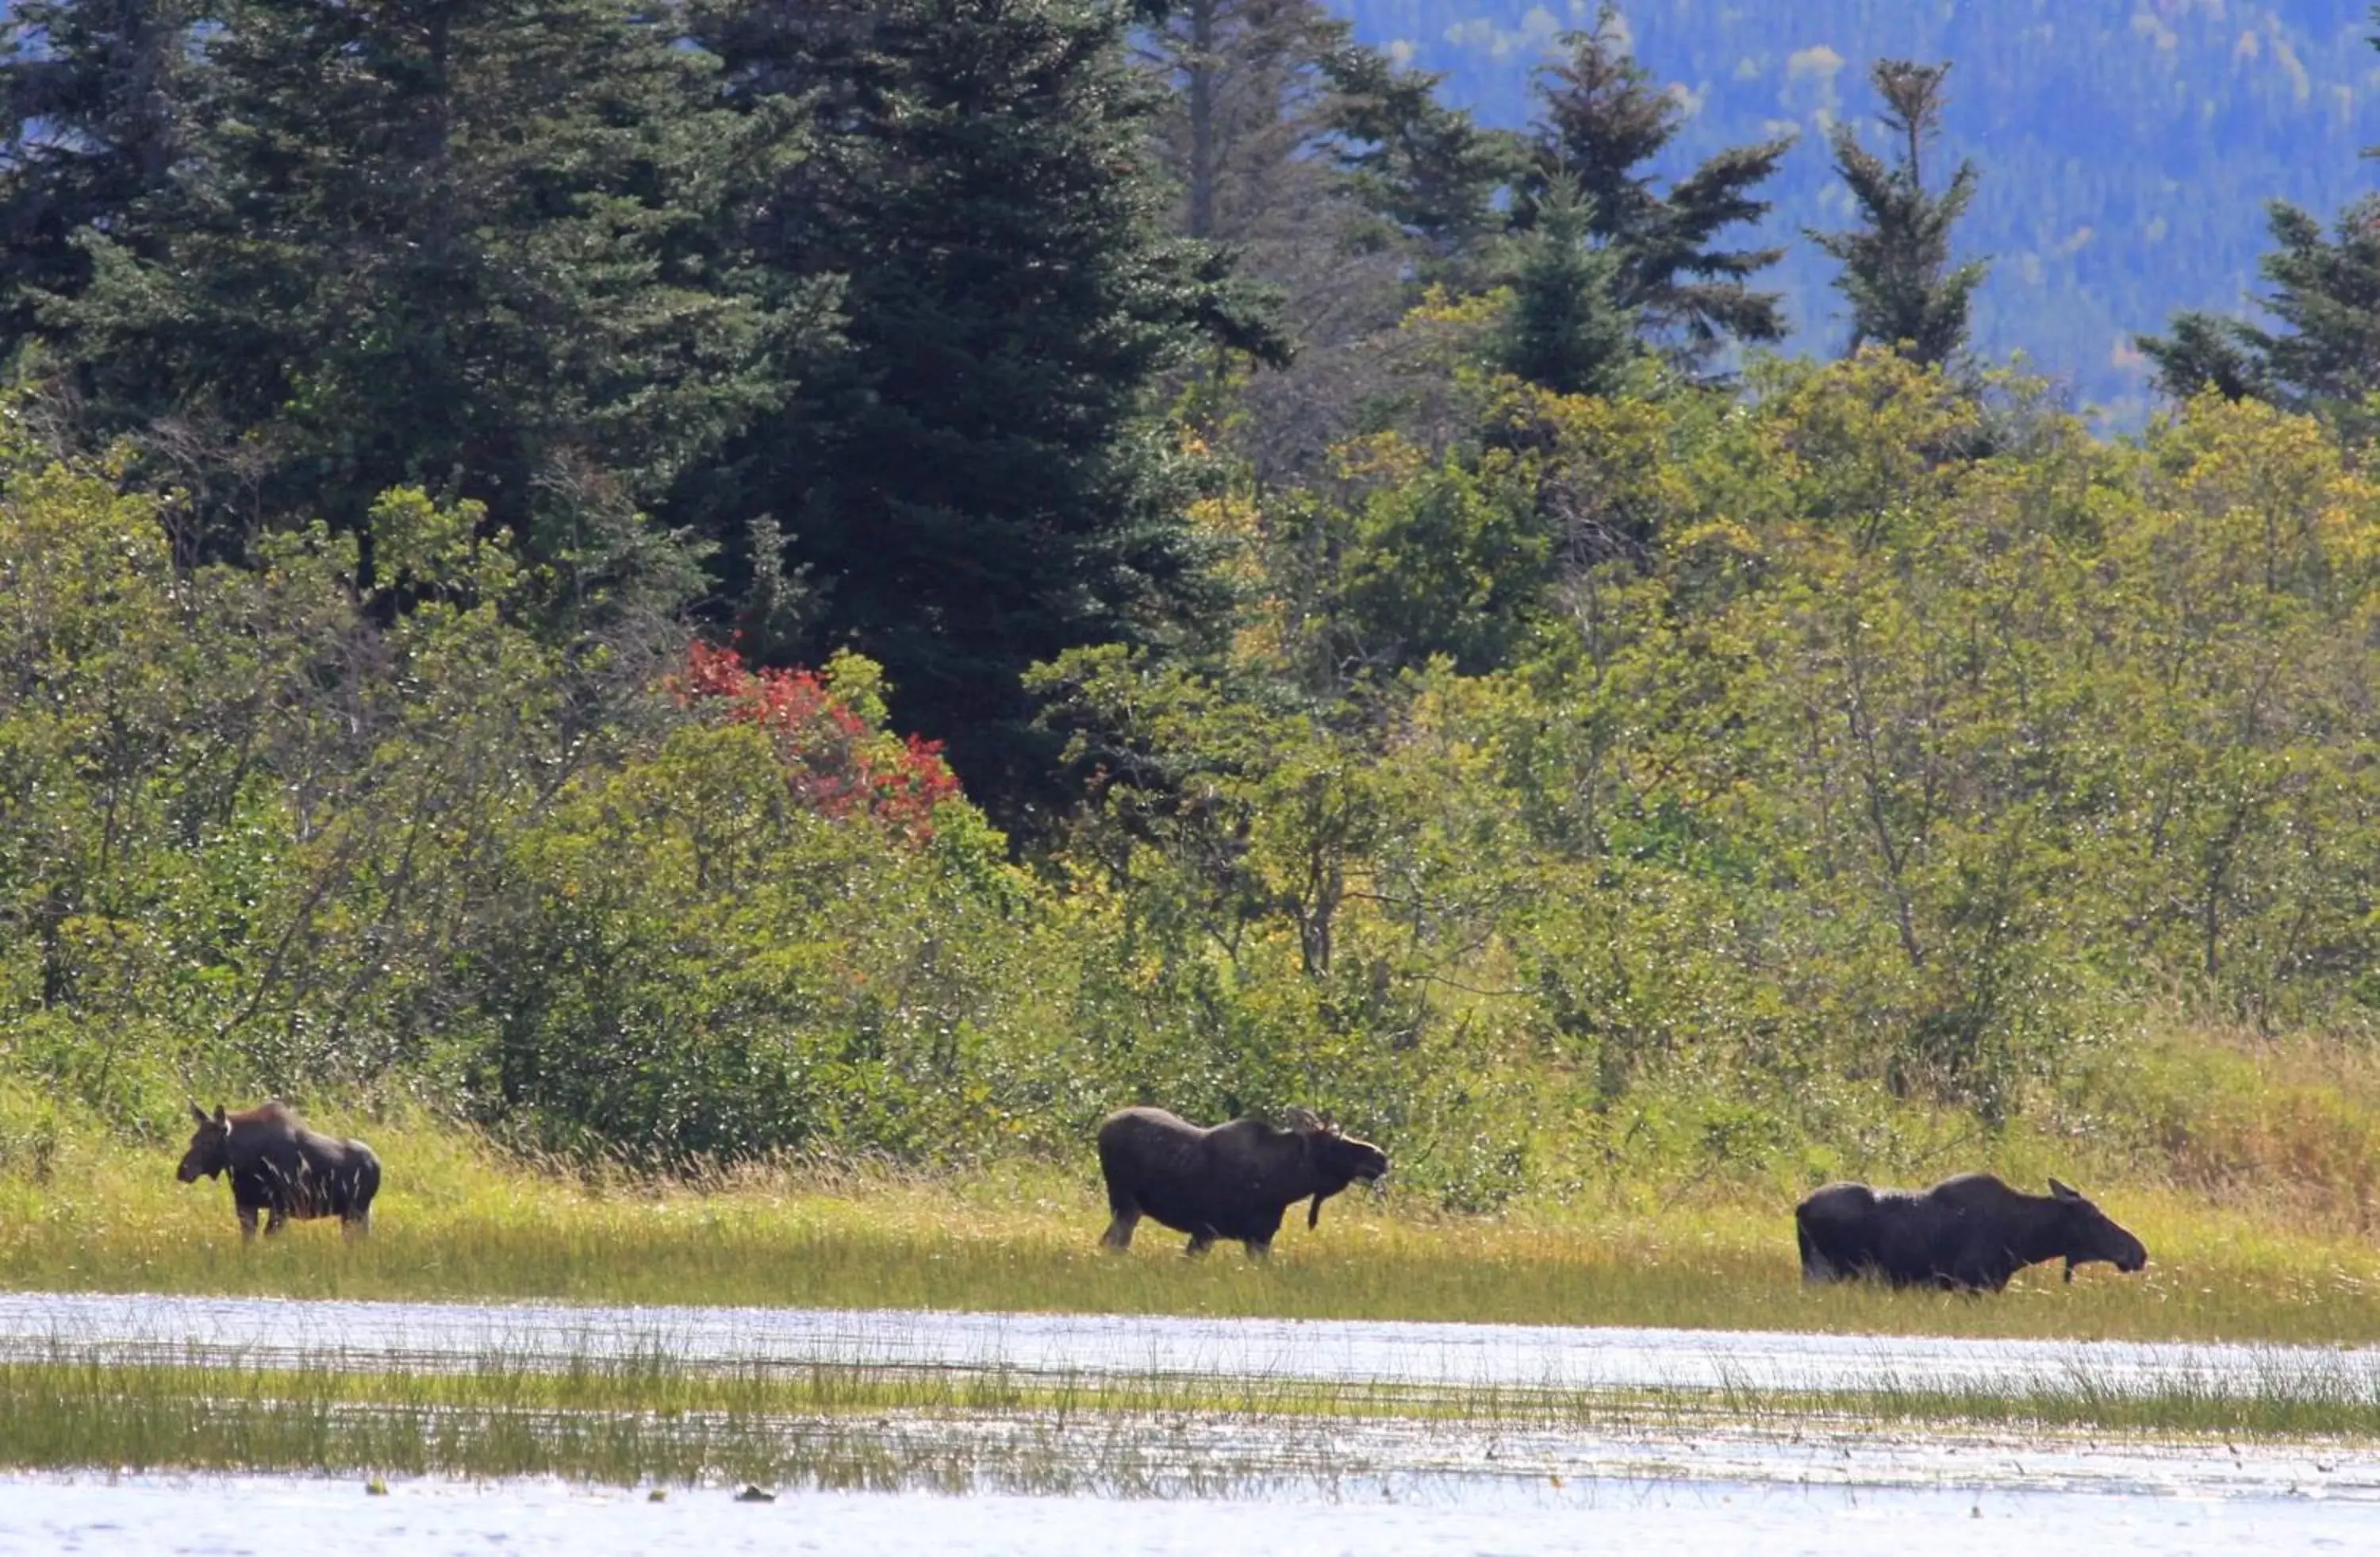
1261 1245
1817 1269
274 1217
247 1223
1123 1213
1200 1242
356 1224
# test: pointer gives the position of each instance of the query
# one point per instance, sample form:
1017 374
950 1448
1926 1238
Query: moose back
1968 1234
278 1166
1234 1181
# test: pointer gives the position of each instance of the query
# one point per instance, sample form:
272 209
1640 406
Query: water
1707 1515
1342 1351
1189 1481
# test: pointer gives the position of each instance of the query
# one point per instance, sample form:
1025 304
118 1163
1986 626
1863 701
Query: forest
2131 145
877 579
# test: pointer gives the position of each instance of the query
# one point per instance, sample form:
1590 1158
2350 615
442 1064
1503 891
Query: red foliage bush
836 764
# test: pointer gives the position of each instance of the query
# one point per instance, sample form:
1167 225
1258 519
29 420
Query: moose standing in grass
1234 1181
279 1166
1968 1234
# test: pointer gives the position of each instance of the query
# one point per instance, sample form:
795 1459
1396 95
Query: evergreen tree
464 246
2326 290
1243 134
1430 173
1601 119
98 96
1247 95
1904 292
980 483
1566 329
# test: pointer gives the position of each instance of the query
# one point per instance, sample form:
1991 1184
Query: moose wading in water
279 1166
1234 1181
1968 1234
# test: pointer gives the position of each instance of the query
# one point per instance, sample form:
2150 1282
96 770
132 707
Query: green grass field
457 1221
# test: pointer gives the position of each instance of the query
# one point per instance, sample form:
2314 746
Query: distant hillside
2127 146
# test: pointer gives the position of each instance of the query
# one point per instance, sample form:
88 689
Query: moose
1233 1181
1967 1234
279 1166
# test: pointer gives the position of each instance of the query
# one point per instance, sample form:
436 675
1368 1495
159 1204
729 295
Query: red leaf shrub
837 763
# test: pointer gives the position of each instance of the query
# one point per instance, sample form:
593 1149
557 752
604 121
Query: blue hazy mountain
2127 147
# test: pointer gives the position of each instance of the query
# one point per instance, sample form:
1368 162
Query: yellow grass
459 1221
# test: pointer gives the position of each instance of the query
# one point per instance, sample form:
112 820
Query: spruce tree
1602 119
459 245
2326 290
1566 329
1430 173
99 97
1243 134
1245 93
981 483
1905 294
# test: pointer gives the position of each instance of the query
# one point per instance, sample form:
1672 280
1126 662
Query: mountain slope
2127 147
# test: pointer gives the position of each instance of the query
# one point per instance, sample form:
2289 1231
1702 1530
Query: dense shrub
1864 748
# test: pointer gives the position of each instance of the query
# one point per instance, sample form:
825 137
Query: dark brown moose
1968 1234
279 1166
1234 1181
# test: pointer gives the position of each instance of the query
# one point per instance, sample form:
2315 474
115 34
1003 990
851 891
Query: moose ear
2063 1191
1303 1121
220 1119
199 1114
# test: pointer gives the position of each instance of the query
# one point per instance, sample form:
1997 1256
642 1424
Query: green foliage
1601 117
1875 735
1567 330
1905 294
412 244
1426 169
976 484
1679 785
1559 767
2326 290
685 975
260 835
98 117
2129 152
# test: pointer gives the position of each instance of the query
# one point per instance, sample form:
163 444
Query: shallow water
430 1334
1709 1516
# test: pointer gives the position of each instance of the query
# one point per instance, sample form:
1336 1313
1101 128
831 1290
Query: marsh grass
835 1426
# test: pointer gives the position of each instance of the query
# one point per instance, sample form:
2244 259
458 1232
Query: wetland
134 1421
526 1361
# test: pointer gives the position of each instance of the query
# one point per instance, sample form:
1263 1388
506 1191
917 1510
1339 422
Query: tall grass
459 1220
850 1425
